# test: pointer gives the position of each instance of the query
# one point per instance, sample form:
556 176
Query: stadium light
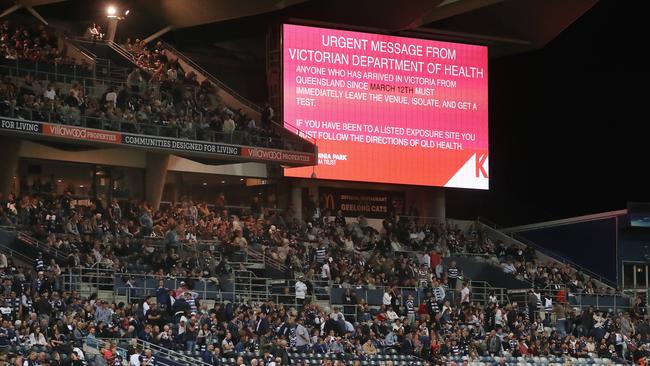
111 11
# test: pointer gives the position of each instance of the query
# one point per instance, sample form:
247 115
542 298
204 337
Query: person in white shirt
172 74
134 360
325 271
111 97
301 290
49 93
425 259
392 315
387 298
465 293
509 267
228 128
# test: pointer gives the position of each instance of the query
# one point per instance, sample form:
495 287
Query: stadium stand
40 85
391 292
197 283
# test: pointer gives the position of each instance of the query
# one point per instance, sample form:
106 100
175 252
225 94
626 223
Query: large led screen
388 109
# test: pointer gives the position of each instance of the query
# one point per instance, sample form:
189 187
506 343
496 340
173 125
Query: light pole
114 16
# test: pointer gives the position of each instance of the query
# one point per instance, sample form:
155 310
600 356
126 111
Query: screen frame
368 30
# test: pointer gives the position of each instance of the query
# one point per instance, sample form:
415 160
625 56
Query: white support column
112 28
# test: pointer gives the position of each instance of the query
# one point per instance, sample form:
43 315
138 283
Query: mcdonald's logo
330 204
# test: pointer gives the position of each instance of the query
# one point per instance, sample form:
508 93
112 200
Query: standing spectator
301 291
325 274
410 310
532 303
560 318
452 279
387 299
465 294
111 97
267 115
452 275
49 93
302 336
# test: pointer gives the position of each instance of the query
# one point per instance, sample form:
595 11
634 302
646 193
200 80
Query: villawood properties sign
154 142
356 202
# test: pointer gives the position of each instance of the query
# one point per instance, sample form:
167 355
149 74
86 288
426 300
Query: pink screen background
389 163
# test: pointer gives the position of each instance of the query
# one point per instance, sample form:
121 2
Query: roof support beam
460 36
158 34
29 8
10 10
36 14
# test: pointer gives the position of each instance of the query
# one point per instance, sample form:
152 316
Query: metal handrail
90 57
578 296
75 43
124 53
500 292
15 254
86 81
243 286
265 259
158 350
211 77
241 138
522 242
28 239
172 355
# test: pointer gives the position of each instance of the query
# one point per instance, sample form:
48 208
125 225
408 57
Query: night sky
567 124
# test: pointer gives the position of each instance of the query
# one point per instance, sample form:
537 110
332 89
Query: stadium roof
508 26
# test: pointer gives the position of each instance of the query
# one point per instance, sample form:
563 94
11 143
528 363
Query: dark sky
567 124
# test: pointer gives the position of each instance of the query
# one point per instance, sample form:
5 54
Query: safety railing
257 256
122 52
482 290
98 279
55 253
523 242
243 286
89 45
211 77
17 255
249 287
158 351
170 354
581 300
243 138
55 73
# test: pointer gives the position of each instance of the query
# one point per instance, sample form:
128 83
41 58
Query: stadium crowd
45 324
34 44
323 248
157 98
